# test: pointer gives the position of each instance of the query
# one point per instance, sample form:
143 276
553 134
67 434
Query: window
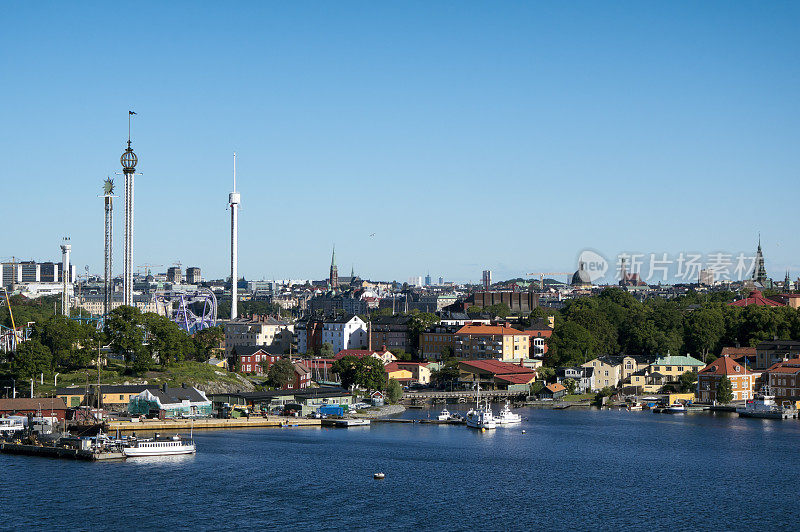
121 397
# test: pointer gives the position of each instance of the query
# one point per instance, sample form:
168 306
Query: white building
347 332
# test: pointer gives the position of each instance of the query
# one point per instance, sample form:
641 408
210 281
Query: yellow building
72 397
500 342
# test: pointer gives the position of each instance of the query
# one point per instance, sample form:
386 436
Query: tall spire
333 279
759 270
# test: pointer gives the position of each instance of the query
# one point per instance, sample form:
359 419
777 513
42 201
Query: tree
570 344
570 385
703 330
280 374
366 372
687 382
371 374
401 355
446 374
474 309
166 342
126 333
326 350
536 387
31 359
501 310
394 391
206 341
724 391
346 367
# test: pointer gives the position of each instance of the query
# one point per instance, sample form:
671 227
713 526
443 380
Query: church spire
333 279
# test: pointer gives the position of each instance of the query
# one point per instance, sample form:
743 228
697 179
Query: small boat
506 416
444 415
675 408
378 476
158 446
634 406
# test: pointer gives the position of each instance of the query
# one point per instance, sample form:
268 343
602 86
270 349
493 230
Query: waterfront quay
169 425
58 452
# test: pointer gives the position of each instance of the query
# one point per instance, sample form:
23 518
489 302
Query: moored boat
158 446
506 416
675 408
481 417
764 406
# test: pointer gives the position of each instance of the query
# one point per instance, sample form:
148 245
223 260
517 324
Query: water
574 469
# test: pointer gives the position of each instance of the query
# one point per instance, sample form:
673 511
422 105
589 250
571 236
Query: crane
147 268
542 274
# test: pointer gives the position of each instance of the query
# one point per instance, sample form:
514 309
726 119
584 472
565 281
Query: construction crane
542 274
147 268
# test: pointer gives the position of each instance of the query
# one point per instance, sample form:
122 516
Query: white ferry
11 425
764 406
444 415
158 446
507 417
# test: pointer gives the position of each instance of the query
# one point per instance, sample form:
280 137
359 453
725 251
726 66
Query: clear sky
464 135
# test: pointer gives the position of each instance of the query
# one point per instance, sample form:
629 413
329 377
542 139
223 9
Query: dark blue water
574 469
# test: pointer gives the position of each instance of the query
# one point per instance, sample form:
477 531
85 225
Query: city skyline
567 141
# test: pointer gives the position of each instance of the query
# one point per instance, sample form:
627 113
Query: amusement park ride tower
108 276
66 247
233 200
128 161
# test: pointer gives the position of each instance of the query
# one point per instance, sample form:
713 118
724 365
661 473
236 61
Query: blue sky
465 135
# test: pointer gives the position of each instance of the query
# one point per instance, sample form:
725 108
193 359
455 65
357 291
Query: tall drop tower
108 274
66 276
234 200
128 161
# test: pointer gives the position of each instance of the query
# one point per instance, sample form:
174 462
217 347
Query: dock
420 421
57 452
345 423
171 425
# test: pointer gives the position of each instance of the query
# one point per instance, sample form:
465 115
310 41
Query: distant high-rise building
487 279
174 275
333 278
706 277
441 280
193 275
428 280
759 271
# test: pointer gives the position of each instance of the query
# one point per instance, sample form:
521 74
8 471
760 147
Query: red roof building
495 375
756 298
783 379
384 355
742 379
44 406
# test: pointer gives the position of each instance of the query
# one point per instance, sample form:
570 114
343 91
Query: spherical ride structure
192 310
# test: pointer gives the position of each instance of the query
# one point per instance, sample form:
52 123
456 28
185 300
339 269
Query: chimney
164 387
183 385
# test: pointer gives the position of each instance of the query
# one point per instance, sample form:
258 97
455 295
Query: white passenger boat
11 425
481 417
158 446
444 415
764 406
507 417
